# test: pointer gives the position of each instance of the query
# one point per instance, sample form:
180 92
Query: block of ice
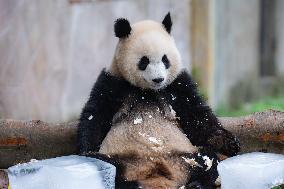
72 172
252 171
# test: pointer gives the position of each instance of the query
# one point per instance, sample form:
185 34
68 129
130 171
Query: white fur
147 38
153 71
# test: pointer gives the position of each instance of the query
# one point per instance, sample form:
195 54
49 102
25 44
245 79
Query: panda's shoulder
182 82
107 79
107 82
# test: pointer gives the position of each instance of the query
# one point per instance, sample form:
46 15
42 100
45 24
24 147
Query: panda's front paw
232 146
225 143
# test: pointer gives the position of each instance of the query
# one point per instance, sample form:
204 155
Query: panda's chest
146 126
143 109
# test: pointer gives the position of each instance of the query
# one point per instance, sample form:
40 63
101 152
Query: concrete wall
280 37
34 38
236 50
52 51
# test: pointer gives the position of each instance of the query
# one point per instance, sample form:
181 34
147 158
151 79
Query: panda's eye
143 63
166 61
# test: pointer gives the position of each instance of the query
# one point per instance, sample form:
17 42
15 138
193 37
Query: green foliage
276 103
196 75
278 187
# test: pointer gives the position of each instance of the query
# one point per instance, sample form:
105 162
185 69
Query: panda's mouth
154 85
157 85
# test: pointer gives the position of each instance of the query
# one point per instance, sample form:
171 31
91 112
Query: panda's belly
146 132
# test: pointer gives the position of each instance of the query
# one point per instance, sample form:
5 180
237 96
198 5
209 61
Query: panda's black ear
122 28
167 22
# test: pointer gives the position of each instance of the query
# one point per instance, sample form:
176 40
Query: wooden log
21 141
262 131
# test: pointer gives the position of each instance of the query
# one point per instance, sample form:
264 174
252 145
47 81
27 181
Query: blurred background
51 52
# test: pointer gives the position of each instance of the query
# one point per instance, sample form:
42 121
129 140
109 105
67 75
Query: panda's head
146 54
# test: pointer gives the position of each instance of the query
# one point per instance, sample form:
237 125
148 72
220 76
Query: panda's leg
120 180
203 169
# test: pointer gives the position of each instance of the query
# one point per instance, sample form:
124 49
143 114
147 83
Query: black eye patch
143 63
166 61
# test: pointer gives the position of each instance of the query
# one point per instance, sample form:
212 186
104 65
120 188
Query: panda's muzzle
158 80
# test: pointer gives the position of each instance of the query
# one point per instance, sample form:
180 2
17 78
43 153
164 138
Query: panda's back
145 128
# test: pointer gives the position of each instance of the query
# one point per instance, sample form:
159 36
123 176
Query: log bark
262 131
21 141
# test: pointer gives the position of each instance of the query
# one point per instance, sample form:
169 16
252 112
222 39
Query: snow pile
191 161
173 97
252 171
155 140
91 117
137 120
208 162
173 112
72 172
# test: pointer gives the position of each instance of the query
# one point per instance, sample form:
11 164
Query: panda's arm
197 119
95 121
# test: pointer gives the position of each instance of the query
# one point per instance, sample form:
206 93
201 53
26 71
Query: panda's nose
158 80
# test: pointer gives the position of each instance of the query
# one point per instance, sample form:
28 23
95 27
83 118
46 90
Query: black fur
105 99
196 119
122 28
167 22
200 176
143 63
166 61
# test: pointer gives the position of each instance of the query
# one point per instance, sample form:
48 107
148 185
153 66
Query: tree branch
21 141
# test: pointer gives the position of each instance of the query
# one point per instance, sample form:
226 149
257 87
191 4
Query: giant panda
145 116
